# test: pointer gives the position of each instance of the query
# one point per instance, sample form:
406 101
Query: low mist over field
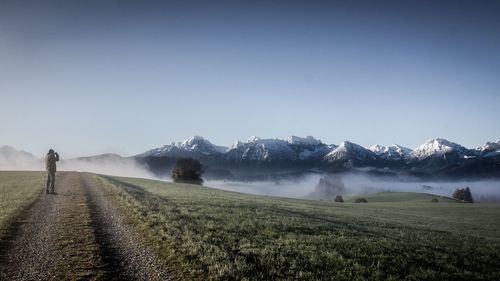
356 184
11 159
109 164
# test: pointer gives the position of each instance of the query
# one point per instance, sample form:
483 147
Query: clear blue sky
87 77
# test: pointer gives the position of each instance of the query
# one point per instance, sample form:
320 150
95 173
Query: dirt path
77 234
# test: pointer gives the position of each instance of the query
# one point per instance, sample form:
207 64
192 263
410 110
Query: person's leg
52 181
47 185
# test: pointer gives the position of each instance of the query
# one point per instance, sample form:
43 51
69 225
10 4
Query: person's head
51 151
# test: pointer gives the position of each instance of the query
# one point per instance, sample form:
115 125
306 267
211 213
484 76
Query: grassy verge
17 191
210 234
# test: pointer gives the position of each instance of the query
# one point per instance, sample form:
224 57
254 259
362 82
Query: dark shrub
361 200
434 200
187 170
463 194
339 198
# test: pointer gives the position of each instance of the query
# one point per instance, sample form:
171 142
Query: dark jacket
50 162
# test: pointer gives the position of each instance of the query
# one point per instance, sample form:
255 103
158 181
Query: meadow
207 234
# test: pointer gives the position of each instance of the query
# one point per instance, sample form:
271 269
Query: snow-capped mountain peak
309 140
490 146
256 149
392 152
347 145
438 147
193 141
378 149
253 139
350 151
193 145
400 149
489 149
291 149
201 144
235 145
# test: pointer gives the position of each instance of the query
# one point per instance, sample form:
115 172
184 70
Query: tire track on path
54 241
77 234
122 249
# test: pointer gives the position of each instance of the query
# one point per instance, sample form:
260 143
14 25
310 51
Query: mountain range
435 158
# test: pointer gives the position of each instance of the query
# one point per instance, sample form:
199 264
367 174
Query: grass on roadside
210 234
17 191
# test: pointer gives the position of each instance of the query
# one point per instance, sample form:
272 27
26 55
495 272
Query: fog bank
108 164
356 184
114 166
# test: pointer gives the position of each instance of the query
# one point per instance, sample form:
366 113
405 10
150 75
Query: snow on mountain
193 145
12 159
291 149
235 145
378 149
307 152
440 147
490 149
307 141
256 149
392 152
308 148
203 145
253 139
350 151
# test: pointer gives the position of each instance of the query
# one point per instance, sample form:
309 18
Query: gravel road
76 234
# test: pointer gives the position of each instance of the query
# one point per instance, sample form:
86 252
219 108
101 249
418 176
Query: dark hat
51 150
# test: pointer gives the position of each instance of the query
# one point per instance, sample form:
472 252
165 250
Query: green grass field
386 197
17 190
209 234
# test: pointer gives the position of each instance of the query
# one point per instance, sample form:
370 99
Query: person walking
50 165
